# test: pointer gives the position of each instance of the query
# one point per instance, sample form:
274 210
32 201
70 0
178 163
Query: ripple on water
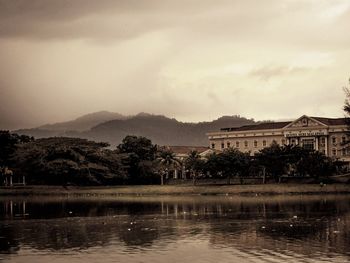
221 230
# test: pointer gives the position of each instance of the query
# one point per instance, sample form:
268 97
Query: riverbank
136 190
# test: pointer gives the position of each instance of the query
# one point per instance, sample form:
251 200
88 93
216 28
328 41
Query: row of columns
176 173
317 142
9 181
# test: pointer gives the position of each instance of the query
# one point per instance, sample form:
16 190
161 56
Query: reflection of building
326 135
14 209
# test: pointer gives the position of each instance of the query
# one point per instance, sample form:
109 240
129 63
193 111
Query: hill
69 128
160 129
84 122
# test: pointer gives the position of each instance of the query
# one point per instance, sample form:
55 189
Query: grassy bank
268 189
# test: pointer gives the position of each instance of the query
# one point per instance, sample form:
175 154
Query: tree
195 164
8 145
138 155
274 159
315 164
234 163
62 161
229 163
166 160
212 165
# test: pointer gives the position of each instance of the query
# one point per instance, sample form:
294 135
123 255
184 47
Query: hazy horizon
160 114
190 60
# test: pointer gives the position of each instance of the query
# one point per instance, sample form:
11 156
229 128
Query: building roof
260 126
187 149
331 121
280 125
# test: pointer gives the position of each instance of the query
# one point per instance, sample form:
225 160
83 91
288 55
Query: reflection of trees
80 225
324 226
276 225
77 234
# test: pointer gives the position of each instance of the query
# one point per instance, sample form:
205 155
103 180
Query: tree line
75 161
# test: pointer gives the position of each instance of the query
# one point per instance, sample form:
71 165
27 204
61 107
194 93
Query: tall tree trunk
193 178
162 179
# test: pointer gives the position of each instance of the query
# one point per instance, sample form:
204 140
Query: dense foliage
8 145
73 161
62 161
293 160
139 156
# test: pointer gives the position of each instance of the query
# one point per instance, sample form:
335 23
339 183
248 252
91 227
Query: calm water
175 229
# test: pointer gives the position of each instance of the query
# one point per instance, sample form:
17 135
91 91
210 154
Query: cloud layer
193 60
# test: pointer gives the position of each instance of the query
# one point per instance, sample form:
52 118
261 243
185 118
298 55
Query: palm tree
166 160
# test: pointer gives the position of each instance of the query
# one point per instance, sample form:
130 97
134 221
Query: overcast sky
191 60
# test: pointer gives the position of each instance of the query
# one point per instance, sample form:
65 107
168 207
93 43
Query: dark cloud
234 20
63 58
117 19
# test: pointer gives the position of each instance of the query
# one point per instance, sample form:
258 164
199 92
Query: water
175 229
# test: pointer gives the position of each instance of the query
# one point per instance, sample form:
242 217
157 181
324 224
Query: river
175 229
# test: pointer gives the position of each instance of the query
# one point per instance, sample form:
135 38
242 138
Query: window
334 152
308 144
343 139
228 144
245 143
255 144
222 145
264 143
344 151
323 141
334 140
293 142
237 144
213 145
283 141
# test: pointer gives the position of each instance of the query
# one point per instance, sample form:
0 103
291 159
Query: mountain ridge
83 122
160 129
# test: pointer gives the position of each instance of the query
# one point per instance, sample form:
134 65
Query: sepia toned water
175 229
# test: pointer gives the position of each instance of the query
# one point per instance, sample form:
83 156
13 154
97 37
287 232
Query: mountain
69 128
160 129
84 122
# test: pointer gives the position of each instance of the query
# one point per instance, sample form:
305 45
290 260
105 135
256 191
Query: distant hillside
163 130
84 122
160 129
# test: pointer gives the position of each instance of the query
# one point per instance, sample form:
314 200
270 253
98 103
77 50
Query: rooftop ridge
282 124
259 126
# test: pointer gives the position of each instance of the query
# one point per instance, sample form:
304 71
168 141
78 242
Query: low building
181 153
327 135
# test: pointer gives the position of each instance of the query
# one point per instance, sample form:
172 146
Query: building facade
181 153
327 135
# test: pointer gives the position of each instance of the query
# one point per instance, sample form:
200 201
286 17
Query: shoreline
156 190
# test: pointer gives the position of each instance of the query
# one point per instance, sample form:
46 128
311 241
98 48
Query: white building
327 135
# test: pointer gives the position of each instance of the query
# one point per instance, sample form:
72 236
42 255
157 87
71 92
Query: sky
193 60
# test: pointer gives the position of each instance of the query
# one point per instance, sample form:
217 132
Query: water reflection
309 228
